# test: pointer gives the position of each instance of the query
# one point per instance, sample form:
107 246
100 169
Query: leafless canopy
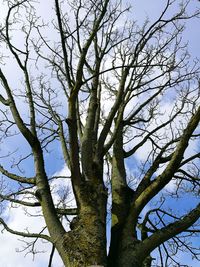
117 104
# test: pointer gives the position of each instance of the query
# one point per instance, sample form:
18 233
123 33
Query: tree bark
121 197
87 237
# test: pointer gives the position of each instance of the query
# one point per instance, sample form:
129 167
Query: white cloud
20 219
64 184
11 243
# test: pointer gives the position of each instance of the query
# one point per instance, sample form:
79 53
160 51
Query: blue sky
141 9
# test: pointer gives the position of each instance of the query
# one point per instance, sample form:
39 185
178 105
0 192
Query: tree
105 91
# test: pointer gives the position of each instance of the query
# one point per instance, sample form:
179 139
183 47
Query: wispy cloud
12 251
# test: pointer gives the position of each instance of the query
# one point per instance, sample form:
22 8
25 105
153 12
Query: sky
9 254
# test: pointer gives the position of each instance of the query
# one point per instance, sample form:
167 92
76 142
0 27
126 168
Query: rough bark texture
87 238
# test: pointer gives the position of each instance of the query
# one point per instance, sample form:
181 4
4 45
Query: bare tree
122 103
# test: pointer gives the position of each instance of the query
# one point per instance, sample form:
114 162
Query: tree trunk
87 238
121 197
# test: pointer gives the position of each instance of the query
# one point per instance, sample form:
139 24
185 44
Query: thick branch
20 124
4 101
17 178
171 230
173 165
72 211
